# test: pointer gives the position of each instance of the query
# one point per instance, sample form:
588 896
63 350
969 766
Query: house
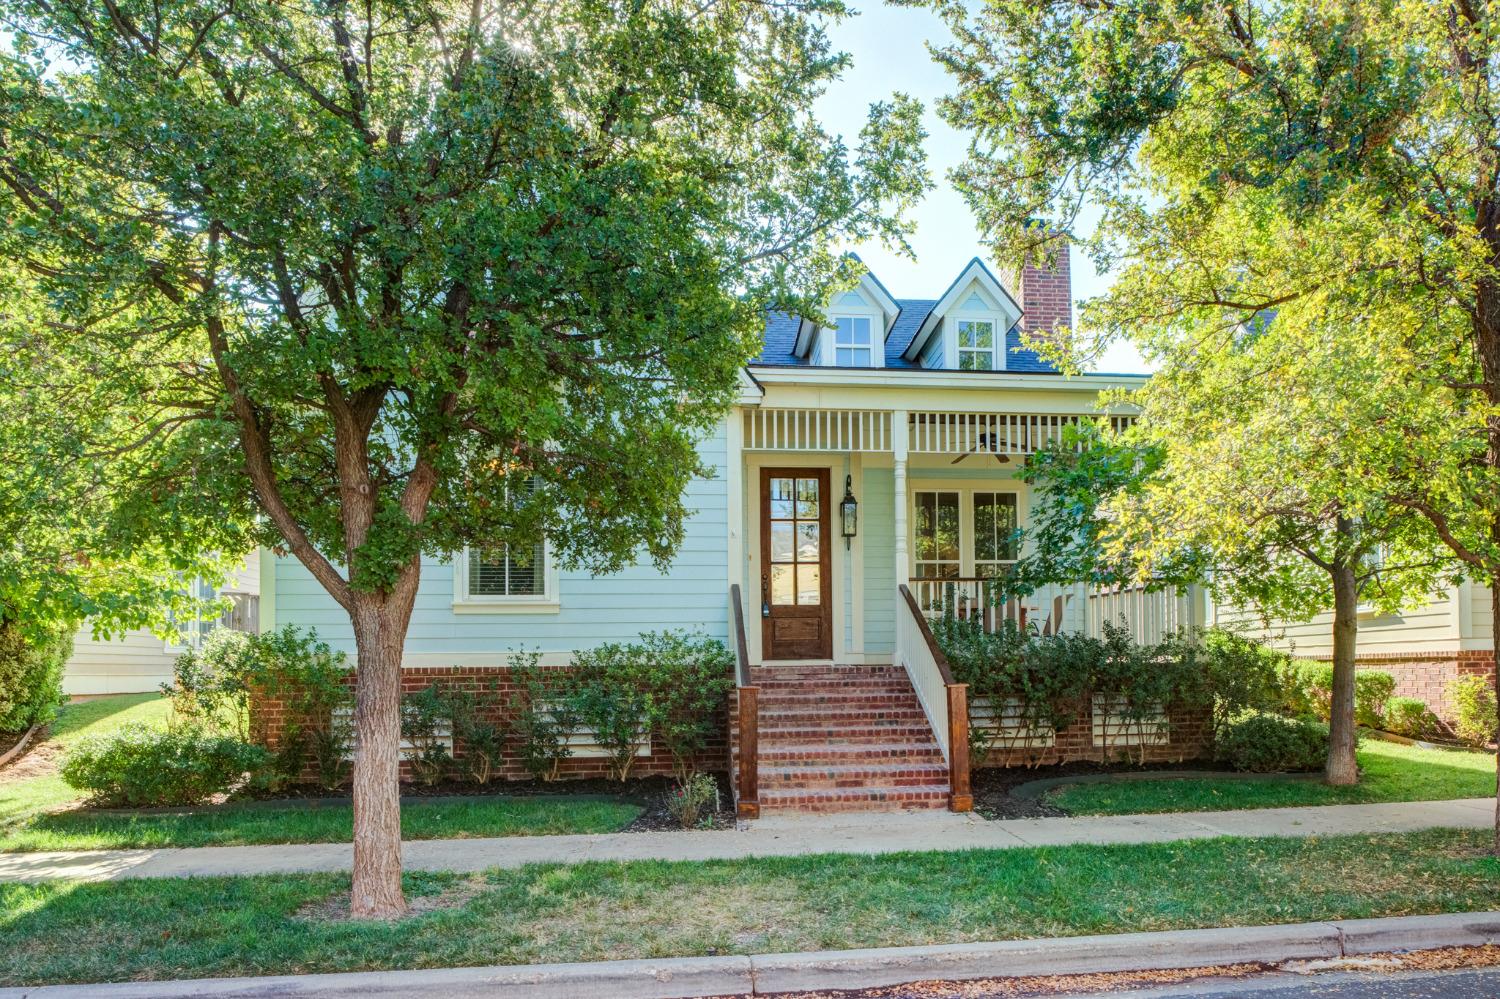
1425 647
140 661
867 476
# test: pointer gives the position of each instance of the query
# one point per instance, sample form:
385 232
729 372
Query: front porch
939 497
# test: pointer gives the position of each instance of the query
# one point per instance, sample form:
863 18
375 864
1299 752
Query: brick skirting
493 687
1426 675
1189 736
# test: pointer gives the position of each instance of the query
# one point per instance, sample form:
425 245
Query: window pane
974 360
781 584
809 590
486 573
844 357
807 498
984 526
807 542
781 499
947 526
925 519
852 331
781 541
526 572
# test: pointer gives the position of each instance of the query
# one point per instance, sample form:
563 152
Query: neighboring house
1425 647
138 661
917 412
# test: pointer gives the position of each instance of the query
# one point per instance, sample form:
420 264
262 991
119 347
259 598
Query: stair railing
945 702
747 712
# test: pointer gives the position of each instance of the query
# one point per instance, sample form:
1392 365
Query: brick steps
845 738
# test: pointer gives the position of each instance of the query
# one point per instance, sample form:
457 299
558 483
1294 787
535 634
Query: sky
888 46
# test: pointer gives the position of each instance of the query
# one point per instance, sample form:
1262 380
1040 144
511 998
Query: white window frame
546 602
828 350
192 633
966 490
997 340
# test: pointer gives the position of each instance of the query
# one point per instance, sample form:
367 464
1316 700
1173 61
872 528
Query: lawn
596 911
1389 772
34 813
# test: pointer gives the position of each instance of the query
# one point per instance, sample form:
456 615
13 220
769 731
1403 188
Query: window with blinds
508 571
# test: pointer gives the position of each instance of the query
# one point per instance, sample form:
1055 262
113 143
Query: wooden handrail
737 623
926 632
960 790
747 709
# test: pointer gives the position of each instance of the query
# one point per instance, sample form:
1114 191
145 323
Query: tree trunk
1495 679
1342 767
376 887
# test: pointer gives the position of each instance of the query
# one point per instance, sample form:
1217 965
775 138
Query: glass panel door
794 526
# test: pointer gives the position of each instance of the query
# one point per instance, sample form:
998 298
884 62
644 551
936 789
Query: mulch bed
993 785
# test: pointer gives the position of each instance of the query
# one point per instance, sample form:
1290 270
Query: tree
1299 157
415 277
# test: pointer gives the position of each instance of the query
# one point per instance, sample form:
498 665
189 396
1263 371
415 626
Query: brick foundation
1189 735
493 687
1426 675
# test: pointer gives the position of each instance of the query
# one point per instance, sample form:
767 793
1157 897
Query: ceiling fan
985 442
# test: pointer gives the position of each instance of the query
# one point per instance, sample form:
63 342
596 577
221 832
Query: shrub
1474 708
482 737
143 766
686 678
610 701
1259 742
213 688
30 676
542 716
1410 717
1243 675
424 716
1372 691
691 797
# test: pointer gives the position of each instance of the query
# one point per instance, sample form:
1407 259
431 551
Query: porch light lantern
849 511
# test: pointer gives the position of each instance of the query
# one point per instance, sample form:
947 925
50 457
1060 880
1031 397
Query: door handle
765 595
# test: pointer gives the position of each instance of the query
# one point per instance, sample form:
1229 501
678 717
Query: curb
764 974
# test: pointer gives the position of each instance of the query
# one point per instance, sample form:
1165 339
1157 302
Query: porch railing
746 749
944 701
1147 615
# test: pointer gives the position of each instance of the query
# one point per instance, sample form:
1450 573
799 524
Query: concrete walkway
778 836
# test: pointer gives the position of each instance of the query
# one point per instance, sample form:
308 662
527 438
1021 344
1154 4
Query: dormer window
976 345
853 342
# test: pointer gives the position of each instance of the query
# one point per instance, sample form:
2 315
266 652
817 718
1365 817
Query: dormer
965 331
860 319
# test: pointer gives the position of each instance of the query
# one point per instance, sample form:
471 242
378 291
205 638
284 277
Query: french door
796 578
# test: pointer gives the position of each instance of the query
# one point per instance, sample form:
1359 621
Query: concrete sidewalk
779 836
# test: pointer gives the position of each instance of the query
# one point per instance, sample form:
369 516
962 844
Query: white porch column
899 438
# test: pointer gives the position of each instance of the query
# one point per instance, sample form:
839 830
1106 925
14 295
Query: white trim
754 462
997 339
267 610
929 378
547 602
974 274
827 345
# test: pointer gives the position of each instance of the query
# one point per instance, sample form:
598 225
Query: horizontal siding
134 662
1429 626
594 609
877 530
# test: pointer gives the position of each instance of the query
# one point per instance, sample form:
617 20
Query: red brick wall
1047 292
1189 736
493 686
1426 675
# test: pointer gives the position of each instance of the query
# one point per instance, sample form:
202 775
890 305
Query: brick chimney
1046 291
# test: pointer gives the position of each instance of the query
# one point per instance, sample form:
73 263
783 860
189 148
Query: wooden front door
796 586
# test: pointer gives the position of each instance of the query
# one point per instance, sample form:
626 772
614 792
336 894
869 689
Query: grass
27 797
84 829
138 930
34 813
1389 772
